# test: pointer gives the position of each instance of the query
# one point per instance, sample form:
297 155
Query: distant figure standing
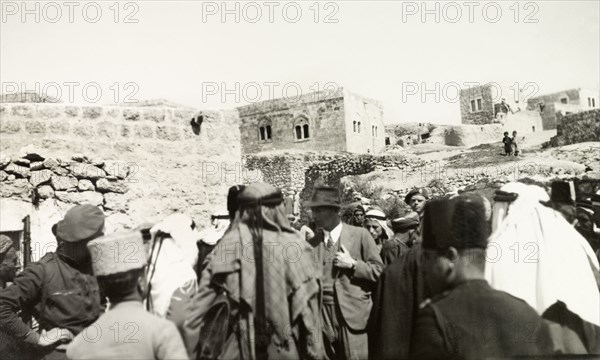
507 144
513 143
502 111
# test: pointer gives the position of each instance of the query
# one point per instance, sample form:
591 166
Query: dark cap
562 192
81 222
406 222
325 196
458 222
585 204
413 192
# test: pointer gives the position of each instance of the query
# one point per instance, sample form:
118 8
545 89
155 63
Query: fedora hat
325 196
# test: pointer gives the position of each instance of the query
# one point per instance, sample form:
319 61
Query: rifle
26 241
26 250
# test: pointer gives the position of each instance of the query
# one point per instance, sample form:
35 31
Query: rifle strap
153 260
262 334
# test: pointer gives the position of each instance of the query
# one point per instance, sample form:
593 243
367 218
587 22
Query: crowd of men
457 277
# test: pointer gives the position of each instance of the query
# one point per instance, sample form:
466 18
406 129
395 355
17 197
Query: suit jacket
353 288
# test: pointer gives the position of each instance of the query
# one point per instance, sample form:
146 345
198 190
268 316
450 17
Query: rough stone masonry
138 163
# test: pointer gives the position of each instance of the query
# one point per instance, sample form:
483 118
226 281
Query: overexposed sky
196 53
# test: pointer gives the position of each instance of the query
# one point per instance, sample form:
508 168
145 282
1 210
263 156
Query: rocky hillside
483 167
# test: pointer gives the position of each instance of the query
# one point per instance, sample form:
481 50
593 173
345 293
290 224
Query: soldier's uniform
474 321
59 291
471 320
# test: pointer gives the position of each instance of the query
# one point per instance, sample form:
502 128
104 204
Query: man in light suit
351 265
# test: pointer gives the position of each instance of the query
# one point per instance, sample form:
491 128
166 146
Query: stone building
494 104
477 105
334 121
564 102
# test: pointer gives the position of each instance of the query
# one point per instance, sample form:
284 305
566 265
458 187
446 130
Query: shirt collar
127 304
335 233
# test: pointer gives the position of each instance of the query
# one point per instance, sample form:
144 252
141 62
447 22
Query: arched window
265 132
359 127
354 128
372 130
262 133
298 132
301 129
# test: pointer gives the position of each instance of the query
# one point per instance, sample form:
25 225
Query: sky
411 56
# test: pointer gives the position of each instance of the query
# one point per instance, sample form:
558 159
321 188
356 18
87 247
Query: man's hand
55 336
343 259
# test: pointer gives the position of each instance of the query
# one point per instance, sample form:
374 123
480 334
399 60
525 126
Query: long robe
399 292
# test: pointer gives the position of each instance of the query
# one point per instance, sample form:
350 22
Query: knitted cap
117 252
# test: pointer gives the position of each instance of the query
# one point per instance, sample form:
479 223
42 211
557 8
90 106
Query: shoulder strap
148 295
262 337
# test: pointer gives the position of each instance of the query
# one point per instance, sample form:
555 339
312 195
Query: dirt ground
460 166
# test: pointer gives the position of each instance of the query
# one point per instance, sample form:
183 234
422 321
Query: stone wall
486 114
296 174
575 128
34 184
168 166
471 135
550 111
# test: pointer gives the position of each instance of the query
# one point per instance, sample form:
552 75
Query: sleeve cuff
32 337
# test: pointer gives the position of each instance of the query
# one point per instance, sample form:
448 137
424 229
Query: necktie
330 242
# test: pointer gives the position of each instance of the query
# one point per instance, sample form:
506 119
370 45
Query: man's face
359 216
325 217
417 203
435 271
374 228
584 221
